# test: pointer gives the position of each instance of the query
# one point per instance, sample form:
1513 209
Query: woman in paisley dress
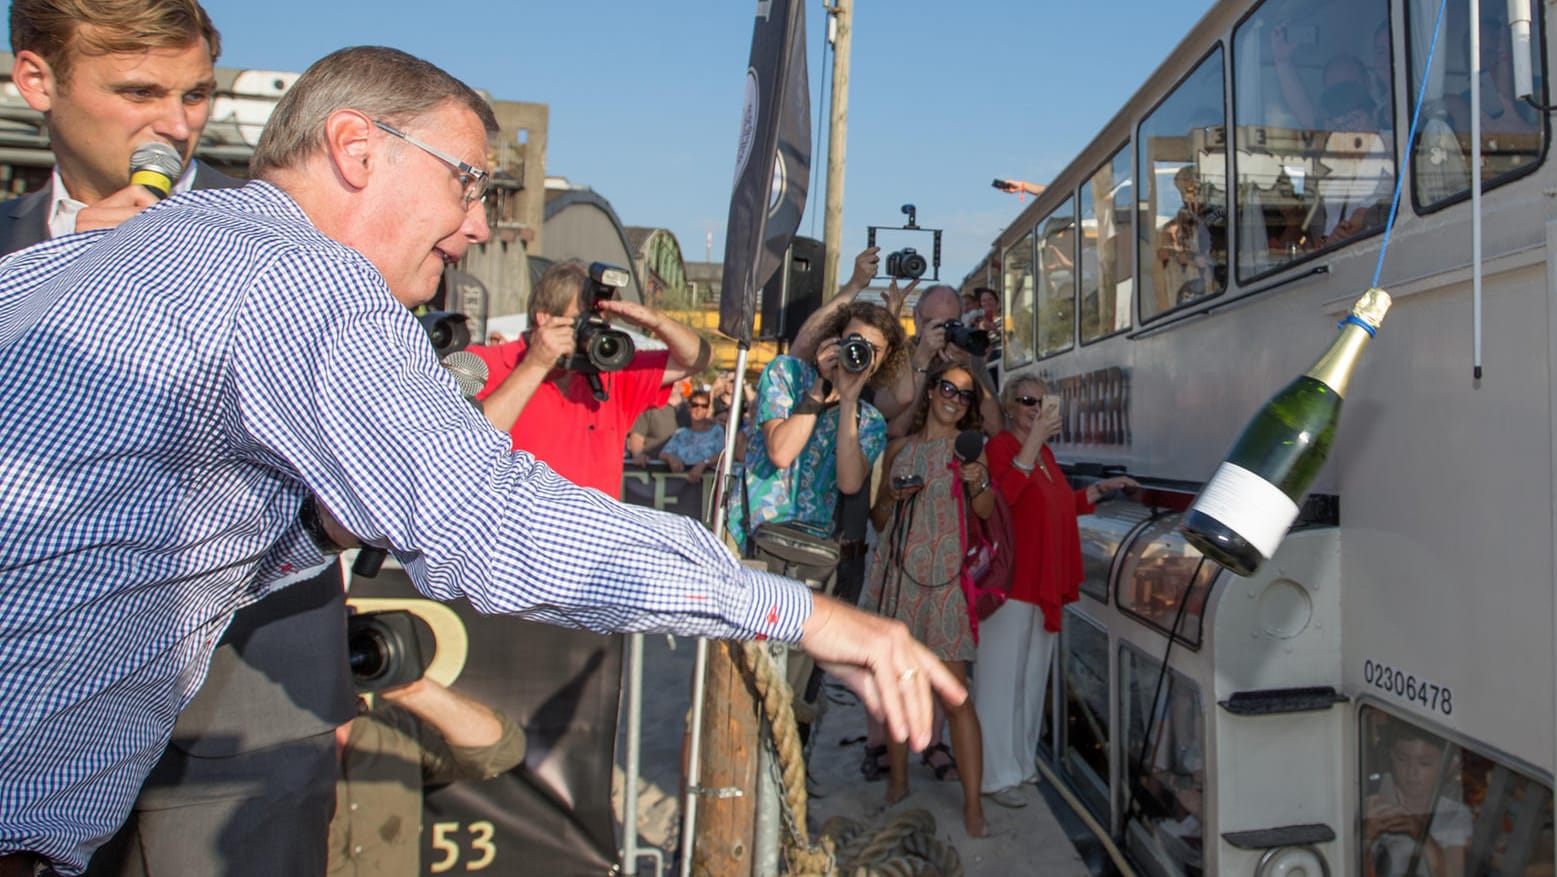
916 571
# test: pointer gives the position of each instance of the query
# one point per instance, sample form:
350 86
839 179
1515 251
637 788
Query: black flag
772 164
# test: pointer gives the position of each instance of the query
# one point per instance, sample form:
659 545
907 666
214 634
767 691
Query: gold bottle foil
1372 307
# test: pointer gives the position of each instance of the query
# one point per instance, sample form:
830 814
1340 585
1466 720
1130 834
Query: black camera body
855 354
387 649
973 340
598 347
906 264
906 482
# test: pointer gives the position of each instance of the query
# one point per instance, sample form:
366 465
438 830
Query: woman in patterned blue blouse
694 448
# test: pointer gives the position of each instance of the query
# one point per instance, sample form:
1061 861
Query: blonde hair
58 29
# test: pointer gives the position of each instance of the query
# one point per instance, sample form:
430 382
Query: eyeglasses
473 180
950 390
1029 401
697 404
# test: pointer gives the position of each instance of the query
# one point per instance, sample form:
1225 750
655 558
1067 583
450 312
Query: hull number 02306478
1392 680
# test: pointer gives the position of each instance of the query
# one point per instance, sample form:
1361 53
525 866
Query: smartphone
1002 185
1051 403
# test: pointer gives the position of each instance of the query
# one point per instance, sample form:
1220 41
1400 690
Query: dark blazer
280 672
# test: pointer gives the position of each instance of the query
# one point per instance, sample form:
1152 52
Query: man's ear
349 142
34 80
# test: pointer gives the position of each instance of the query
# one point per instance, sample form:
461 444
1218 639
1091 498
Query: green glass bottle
1244 511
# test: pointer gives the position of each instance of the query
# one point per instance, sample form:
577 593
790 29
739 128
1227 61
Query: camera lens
855 354
370 652
610 350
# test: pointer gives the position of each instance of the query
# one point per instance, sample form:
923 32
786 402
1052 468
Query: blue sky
645 97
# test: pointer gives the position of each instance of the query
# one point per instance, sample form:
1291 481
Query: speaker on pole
794 293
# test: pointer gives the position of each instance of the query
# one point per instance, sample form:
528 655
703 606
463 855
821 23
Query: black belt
852 549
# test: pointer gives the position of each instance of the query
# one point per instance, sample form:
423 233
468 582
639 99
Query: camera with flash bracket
598 347
907 263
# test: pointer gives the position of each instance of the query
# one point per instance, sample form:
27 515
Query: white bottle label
1250 506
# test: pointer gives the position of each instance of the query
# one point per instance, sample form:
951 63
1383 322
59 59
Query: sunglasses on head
1029 401
950 390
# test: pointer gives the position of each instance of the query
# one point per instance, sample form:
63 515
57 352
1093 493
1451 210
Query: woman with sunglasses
1017 641
916 570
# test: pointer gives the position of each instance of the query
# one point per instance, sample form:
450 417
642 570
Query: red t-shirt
1043 516
581 438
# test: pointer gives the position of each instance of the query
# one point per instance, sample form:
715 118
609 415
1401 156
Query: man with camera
570 391
109 80
415 735
129 541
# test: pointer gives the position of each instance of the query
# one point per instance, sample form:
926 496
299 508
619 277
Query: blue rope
1416 118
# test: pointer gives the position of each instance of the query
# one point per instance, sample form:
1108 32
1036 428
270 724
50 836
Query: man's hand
642 316
116 208
876 657
550 342
894 297
864 268
931 342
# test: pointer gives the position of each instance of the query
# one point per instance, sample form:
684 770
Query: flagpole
842 25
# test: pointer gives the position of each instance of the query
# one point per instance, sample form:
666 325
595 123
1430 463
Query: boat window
1103 533
1164 581
1017 294
1513 133
1165 762
1085 710
1107 209
1182 225
1314 128
1057 274
1431 806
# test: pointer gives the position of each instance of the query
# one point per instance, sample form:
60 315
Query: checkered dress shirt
169 393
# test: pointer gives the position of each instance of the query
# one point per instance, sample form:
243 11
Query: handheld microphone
154 166
469 371
968 446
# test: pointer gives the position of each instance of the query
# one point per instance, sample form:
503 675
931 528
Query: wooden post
726 826
837 143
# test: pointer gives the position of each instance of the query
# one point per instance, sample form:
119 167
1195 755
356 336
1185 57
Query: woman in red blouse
1016 642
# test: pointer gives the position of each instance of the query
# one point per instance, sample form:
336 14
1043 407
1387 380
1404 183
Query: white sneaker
1010 796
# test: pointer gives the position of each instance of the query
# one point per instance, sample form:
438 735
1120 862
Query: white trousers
1013 667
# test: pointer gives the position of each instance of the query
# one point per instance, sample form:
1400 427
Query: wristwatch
313 525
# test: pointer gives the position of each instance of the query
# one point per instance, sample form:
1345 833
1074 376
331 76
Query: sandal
945 771
875 766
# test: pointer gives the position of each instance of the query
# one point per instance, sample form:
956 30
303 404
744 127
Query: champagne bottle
1243 513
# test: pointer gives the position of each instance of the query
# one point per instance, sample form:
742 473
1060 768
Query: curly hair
973 418
882 320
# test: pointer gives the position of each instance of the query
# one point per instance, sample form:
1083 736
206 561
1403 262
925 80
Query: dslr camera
974 341
597 346
387 649
855 354
448 331
906 264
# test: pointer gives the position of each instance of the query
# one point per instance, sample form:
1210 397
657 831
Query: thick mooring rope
906 846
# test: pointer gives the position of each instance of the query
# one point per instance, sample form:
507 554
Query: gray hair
382 83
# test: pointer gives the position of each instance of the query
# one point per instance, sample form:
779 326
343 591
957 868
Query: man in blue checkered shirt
172 390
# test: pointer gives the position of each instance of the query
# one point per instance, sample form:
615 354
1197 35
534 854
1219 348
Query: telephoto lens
855 354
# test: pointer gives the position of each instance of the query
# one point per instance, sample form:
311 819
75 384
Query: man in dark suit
247 783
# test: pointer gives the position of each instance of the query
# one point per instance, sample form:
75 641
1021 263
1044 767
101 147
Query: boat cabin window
1103 534
1513 133
1107 211
1314 117
1057 274
1164 761
1182 226
1084 647
1016 267
1431 806
1164 581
